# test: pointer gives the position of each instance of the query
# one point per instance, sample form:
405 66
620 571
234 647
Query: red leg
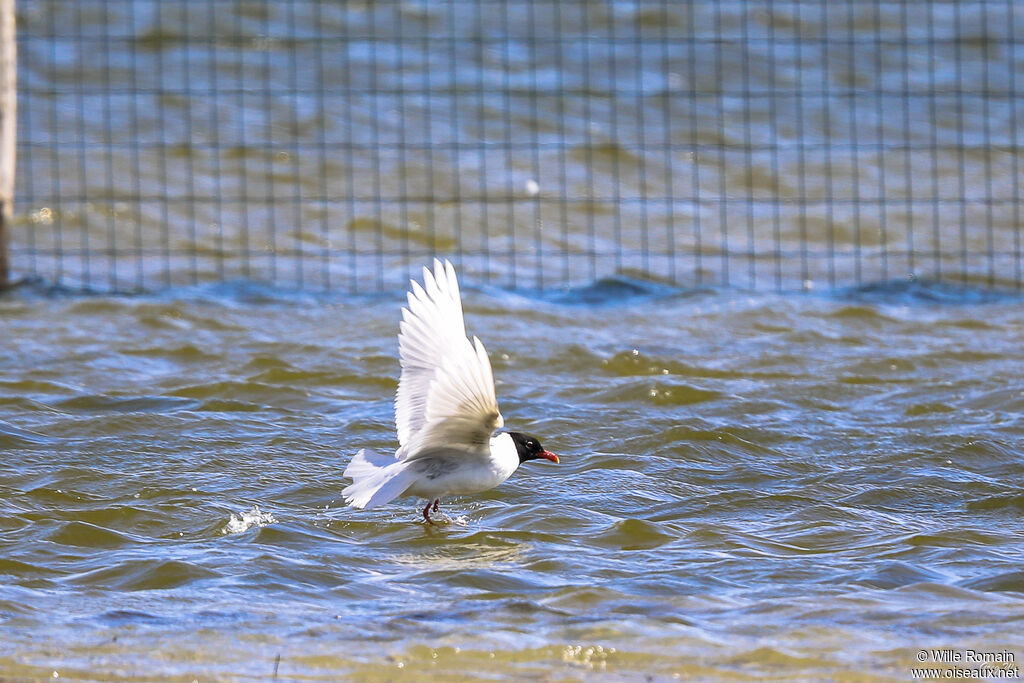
436 501
426 513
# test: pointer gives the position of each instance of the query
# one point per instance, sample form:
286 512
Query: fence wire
539 143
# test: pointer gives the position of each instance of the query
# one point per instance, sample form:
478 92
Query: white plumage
446 411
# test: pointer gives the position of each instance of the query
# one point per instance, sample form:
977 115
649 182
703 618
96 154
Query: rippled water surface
753 486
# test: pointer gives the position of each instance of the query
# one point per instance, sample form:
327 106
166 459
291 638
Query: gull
446 411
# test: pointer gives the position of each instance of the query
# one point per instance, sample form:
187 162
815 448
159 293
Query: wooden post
8 130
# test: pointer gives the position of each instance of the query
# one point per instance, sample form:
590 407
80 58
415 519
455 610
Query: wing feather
446 395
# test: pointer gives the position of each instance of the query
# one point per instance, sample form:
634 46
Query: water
752 486
337 146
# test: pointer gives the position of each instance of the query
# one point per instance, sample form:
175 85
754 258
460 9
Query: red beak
548 455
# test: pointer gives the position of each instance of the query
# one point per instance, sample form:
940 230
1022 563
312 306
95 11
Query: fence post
8 130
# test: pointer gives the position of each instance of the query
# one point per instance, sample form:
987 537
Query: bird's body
448 473
446 411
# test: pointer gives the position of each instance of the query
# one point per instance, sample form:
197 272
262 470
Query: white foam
247 520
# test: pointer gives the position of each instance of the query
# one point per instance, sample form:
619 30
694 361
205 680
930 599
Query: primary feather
446 391
430 324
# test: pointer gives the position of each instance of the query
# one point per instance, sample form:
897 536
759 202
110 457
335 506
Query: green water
340 145
752 487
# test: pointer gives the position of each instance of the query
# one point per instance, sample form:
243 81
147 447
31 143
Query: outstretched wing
446 394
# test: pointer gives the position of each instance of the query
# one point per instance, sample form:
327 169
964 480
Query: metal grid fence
540 143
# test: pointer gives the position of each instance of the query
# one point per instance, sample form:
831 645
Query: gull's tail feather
376 479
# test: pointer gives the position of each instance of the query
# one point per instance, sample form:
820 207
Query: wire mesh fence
539 143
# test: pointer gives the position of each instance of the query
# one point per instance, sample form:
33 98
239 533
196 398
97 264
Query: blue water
752 486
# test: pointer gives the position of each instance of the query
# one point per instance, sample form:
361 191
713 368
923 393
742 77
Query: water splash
247 520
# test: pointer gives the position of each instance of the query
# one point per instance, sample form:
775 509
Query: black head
529 448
